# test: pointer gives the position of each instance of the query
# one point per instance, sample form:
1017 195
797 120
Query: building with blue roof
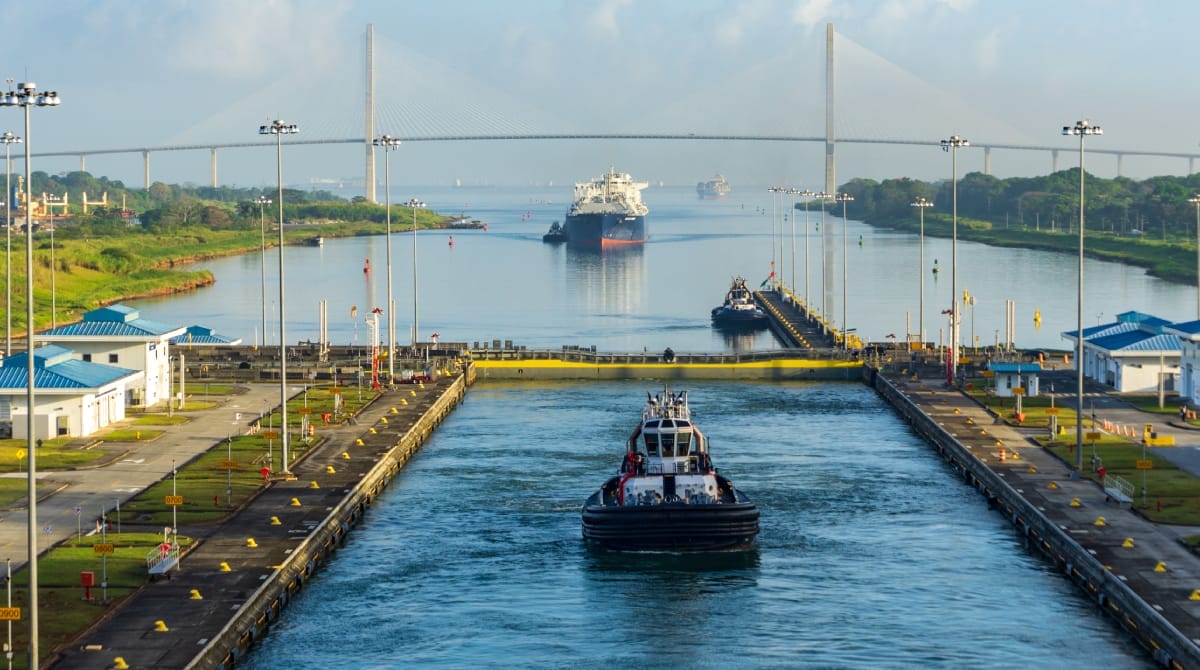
1188 333
1012 375
1136 353
72 397
204 336
118 335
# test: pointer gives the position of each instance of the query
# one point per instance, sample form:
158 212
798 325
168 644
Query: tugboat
668 495
556 234
739 309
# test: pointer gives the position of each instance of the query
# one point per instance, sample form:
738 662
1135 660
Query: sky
136 74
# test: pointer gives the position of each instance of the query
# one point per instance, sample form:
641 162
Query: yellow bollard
196 595
329 469
1128 543
1161 567
956 410
1032 470
1099 521
1075 502
358 442
225 567
1195 595
251 543
412 393
314 485
275 521
345 455
1015 454
160 626
383 419
1053 486
404 401
120 664
395 411
373 430
295 502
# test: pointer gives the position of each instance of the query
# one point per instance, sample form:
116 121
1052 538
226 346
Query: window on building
87 357
112 358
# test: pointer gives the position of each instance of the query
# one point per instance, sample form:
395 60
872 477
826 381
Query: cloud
809 13
603 20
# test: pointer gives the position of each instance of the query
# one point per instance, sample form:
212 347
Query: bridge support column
1053 161
146 168
214 167
1192 165
83 165
1120 163
987 161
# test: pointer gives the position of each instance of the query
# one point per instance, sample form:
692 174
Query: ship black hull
670 526
733 318
602 230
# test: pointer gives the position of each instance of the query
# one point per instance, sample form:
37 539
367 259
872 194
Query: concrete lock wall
1168 645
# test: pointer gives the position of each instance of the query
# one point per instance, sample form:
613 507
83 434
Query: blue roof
1092 332
204 335
54 368
1187 327
1137 340
1019 368
111 321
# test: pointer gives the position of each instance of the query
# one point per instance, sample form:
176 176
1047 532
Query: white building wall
151 357
84 413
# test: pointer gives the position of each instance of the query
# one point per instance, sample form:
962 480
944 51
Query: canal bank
234 584
1134 570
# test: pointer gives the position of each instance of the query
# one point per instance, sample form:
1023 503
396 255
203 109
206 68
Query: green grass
160 420
204 388
130 435
54 454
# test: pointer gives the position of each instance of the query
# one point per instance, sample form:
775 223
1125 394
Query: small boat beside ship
556 234
607 211
739 309
667 494
717 187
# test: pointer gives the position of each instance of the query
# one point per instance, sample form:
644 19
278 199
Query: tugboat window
668 445
652 444
683 442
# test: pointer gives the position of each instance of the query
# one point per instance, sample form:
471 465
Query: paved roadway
127 468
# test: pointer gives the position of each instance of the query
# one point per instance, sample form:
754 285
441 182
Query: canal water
506 284
873 553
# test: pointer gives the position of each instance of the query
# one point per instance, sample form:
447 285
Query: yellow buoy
251 543
196 595
314 485
120 664
160 626
1075 502
1128 543
275 521
1099 521
225 567
295 502
330 470
1161 567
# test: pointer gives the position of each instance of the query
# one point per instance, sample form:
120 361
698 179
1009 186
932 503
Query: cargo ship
607 211
716 187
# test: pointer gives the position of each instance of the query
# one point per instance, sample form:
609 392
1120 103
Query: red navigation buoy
366 266
451 240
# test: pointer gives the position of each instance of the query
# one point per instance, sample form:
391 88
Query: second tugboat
556 234
668 495
739 309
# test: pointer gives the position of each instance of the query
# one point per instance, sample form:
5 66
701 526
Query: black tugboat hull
678 527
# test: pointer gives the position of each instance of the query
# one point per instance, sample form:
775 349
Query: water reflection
608 281
739 338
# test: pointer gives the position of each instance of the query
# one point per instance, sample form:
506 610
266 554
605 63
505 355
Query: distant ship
607 211
716 187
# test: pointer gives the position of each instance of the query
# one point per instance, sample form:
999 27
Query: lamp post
823 196
1081 129
1195 199
262 201
805 195
8 139
279 129
952 145
416 334
773 190
921 203
844 198
389 143
26 95
792 214
52 200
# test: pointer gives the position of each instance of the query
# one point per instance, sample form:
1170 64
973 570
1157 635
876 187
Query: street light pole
1195 199
792 215
1082 129
50 200
952 144
823 196
26 95
414 204
921 203
805 195
389 143
772 190
844 198
262 201
279 129
8 139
